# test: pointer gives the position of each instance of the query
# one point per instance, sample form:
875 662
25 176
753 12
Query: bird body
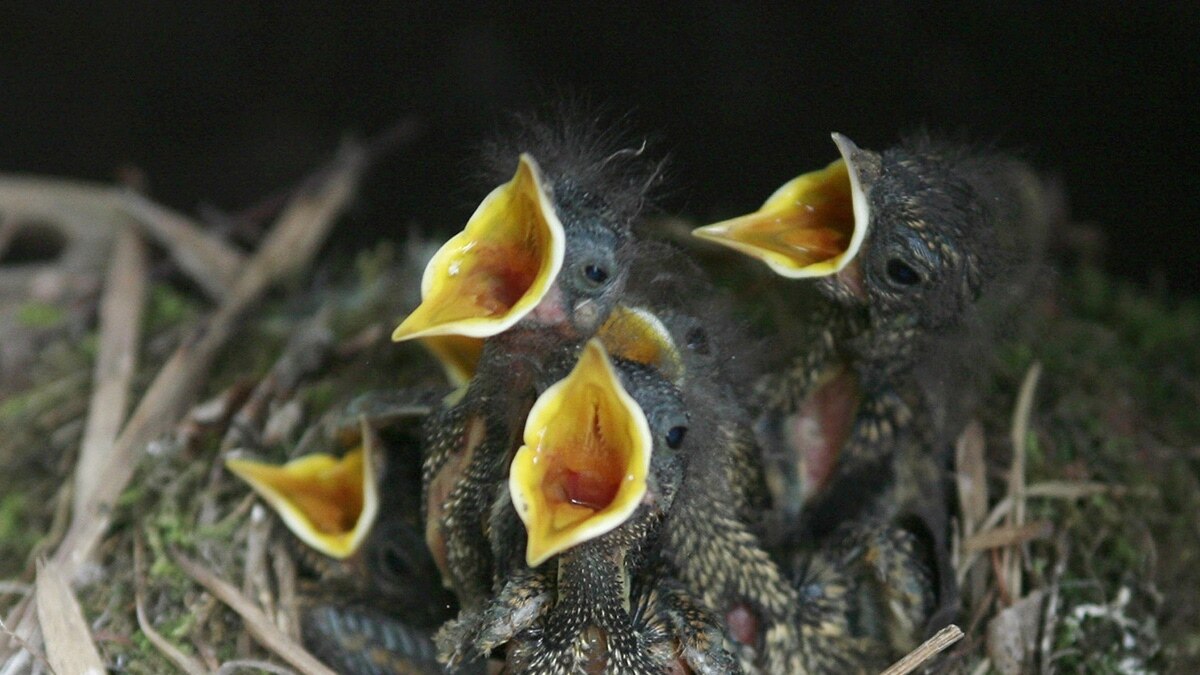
855 431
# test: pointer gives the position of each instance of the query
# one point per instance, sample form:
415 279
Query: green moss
40 315
168 306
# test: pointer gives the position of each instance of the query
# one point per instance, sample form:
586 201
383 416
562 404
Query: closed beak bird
904 245
538 268
598 471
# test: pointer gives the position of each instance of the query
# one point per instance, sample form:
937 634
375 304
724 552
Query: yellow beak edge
328 502
582 469
813 226
635 334
490 275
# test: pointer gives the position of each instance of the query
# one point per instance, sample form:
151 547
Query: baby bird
599 470
538 268
904 245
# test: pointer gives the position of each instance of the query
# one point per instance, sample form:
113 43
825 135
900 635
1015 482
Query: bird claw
479 631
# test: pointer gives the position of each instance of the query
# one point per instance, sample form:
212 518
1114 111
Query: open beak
458 354
490 275
635 334
582 470
328 502
813 226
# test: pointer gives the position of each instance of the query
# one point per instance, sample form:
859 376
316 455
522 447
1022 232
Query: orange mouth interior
582 469
807 228
817 227
328 502
490 275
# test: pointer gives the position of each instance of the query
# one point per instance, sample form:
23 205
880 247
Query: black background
226 102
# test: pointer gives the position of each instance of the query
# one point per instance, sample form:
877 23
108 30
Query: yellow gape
490 275
582 470
813 226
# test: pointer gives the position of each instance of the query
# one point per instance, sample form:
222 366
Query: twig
213 264
69 646
971 476
1048 489
18 662
288 616
172 653
1012 535
230 667
256 622
928 649
1016 481
116 362
254 573
290 246
14 588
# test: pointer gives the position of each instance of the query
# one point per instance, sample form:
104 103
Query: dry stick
1052 489
256 622
929 649
1016 479
254 571
182 661
120 325
208 260
288 614
971 477
1009 536
289 247
69 646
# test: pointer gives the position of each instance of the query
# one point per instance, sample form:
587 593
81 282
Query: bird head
906 233
594 452
543 252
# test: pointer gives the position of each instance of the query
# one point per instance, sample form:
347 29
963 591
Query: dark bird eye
901 273
697 340
675 437
595 274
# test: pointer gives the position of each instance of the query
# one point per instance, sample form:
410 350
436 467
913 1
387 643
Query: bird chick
598 472
538 269
904 245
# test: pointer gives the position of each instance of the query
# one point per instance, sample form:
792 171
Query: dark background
226 102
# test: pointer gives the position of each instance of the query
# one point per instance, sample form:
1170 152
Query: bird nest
123 537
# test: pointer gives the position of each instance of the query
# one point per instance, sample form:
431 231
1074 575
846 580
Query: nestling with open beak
598 471
537 270
907 245
370 597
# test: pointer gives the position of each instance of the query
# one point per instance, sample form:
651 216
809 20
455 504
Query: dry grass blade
69 646
290 245
213 264
1009 536
172 653
256 622
1016 480
971 478
928 649
116 362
